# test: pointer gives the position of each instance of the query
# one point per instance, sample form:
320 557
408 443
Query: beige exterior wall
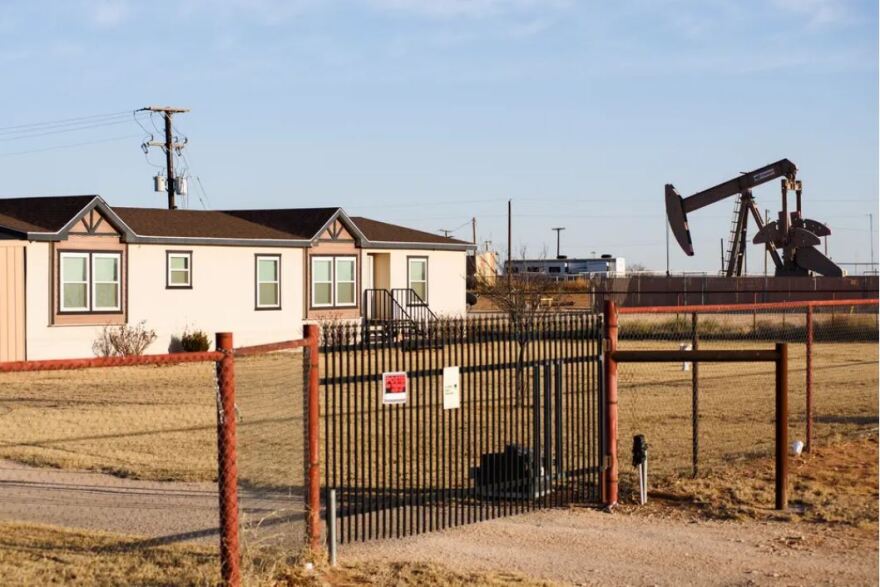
446 277
12 301
222 298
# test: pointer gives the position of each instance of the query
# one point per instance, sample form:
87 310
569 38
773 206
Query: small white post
331 527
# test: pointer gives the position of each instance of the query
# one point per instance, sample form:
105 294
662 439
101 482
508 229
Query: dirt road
163 512
586 547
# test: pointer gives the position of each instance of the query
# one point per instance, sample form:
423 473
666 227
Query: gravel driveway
588 547
163 512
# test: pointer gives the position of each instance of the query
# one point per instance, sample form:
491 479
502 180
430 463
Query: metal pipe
611 465
313 521
227 470
740 307
809 382
331 527
695 397
715 356
781 426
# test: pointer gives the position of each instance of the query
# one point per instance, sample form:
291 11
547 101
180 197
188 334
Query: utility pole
667 249
766 221
509 240
446 232
169 146
558 230
474 230
722 255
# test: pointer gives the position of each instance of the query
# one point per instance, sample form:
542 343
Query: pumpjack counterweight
794 235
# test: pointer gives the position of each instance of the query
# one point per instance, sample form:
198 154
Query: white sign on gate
451 388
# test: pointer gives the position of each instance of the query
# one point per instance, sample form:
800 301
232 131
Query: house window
417 277
74 282
345 281
268 287
179 269
90 282
334 282
105 282
322 282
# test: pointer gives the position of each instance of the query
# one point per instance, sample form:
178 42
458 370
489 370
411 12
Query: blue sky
429 112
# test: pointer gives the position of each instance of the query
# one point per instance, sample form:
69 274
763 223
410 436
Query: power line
68 146
61 122
43 133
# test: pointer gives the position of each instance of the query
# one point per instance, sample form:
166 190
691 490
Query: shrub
123 340
195 342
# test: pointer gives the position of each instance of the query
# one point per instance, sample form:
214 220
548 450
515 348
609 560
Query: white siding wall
222 299
447 282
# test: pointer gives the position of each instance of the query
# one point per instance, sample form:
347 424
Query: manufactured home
71 265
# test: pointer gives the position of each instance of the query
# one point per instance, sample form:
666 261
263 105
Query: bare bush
124 340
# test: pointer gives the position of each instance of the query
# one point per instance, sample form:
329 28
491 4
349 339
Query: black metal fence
466 420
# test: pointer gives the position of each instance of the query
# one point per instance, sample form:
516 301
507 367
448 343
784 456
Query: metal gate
457 421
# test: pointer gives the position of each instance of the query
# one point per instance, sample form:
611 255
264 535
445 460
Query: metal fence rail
474 419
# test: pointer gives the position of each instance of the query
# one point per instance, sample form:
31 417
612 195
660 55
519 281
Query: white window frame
277 260
95 282
179 254
332 281
336 282
61 281
410 280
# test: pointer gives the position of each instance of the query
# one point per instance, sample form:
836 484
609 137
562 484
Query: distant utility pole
558 230
667 249
169 146
871 230
766 222
509 240
474 230
446 232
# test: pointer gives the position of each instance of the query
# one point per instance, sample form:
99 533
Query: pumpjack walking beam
677 208
795 235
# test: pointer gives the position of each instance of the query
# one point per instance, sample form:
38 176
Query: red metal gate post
809 384
313 520
227 469
781 426
610 484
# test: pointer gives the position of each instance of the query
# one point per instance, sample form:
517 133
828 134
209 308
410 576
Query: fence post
781 426
695 399
611 475
313 520
227 469
809 384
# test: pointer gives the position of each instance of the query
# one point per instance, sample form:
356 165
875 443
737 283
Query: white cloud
108 13
449 9
817 12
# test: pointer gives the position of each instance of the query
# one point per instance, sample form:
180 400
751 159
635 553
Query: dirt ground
712 531
717 529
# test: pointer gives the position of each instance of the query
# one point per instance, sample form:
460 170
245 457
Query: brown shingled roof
40 214
301 223
158 222
51 214
375 230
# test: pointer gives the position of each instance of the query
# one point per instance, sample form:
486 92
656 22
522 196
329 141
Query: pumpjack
791 233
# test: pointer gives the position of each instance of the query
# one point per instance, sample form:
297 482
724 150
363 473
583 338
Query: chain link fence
703 418
110 469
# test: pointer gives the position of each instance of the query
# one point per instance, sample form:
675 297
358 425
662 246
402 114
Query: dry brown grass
737 404
45 555
153 422
834 485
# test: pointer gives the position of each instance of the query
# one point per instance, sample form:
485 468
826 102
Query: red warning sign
394 386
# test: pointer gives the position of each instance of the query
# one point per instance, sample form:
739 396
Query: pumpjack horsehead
794 235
